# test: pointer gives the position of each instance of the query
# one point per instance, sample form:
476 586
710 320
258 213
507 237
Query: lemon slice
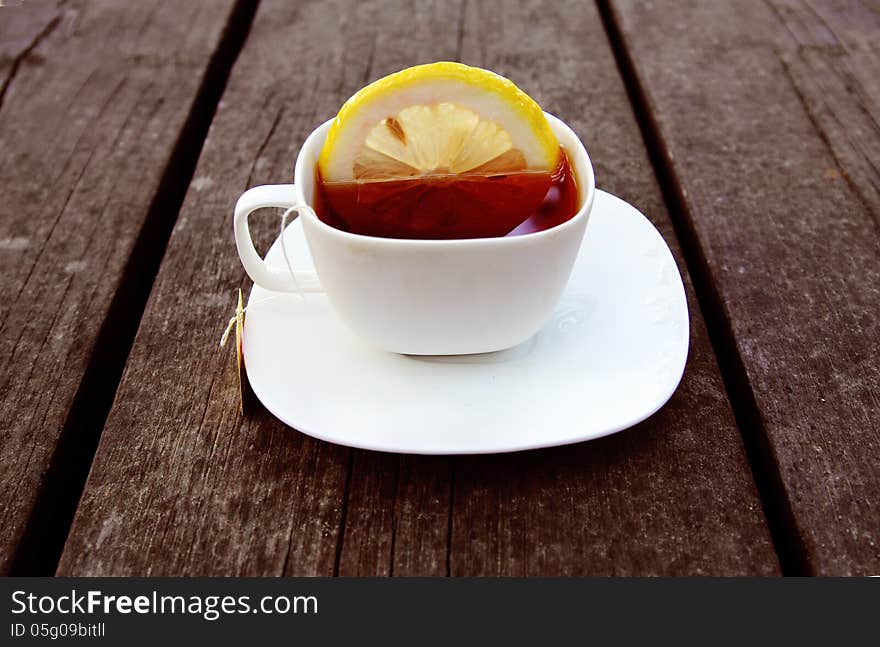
442 150
438 119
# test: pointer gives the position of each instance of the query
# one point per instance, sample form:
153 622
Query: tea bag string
284 219
231 325
228 331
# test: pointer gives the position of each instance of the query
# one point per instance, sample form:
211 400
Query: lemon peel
439 118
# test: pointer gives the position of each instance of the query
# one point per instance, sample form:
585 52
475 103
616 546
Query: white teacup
426 297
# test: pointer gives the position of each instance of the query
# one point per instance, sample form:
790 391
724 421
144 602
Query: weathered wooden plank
768 118
20 33
94 98
672 496
397 521
832 59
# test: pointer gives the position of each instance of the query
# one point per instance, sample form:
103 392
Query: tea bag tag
237 322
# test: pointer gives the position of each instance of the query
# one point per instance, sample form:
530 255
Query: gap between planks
48 526
765 472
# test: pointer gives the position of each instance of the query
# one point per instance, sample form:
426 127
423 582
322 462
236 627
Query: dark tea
451 206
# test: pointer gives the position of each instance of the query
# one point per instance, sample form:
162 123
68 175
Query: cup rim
587 191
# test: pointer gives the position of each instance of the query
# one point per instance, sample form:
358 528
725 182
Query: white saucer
612 354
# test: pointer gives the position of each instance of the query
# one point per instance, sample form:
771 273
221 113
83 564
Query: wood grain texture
832 58
398 516
92 102
181 485
768 116
20 33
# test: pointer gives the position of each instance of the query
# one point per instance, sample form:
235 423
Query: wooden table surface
748 132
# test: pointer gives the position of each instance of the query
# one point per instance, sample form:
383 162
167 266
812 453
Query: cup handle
270 278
